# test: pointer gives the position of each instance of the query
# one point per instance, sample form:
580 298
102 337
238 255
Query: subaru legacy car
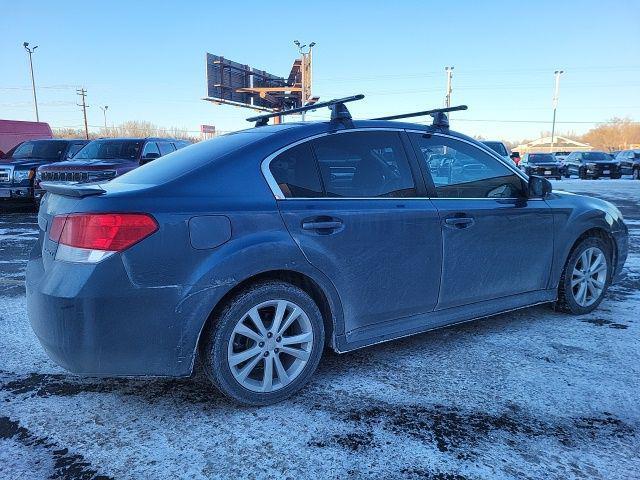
542 164
107 158
249 253
18 166
592 165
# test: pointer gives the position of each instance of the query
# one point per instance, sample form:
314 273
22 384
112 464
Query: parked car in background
104 159
13 132
592 165
561 157
501 149
542 164
629 161
18 166
252 252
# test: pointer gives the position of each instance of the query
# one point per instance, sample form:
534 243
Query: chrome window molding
279 195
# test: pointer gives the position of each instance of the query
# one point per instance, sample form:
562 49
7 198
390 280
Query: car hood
24 163
544 164
602 162
92 164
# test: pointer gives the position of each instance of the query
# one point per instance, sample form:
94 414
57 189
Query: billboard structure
233 83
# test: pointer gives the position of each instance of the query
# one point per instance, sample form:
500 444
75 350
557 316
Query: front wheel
636 173
585 278
265 344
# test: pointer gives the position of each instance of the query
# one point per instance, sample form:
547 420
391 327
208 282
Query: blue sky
146 60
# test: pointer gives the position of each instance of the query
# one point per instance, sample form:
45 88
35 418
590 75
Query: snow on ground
529 394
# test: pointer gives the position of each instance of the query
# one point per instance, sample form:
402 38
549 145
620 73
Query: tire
616 177
226 339
636 173
582 174
569 299
558 178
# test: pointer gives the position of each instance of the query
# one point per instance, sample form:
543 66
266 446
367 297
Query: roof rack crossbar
433 113
338 111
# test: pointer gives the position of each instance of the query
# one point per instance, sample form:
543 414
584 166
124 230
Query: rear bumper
92 320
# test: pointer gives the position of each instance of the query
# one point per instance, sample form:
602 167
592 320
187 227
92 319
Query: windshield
48 149
105 149
541 158
497 147
596 157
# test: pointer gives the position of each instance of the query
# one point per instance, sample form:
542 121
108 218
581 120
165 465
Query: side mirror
539 187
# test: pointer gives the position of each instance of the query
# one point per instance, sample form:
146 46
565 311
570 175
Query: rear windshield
497 147
541 158
106 149
596 156
188 158
49 149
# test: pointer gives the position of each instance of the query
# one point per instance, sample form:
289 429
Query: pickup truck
18 166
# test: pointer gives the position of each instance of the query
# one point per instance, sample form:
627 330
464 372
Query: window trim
279 195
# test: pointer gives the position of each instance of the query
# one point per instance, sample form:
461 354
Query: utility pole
306 71
104 112
447 98
83 94
557 73
33 82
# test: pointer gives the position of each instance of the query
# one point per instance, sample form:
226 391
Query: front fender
573 216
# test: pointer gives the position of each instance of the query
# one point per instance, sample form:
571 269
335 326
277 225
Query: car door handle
322 225
459 222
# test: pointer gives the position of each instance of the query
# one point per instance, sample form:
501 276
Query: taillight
91 237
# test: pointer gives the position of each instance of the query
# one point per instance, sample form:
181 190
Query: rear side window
296 172
364 164
459 170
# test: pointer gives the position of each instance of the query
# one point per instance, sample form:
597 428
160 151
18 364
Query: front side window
150 148
296 173
364 164
460 170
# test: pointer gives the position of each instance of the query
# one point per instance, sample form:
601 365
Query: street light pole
33 82
306 72
447 98
104 112
557 73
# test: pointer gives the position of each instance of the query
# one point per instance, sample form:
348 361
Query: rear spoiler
73 189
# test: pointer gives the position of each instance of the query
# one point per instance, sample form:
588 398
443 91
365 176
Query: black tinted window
150 148
364 164
296 172
459 170
166 148
47 149
74 148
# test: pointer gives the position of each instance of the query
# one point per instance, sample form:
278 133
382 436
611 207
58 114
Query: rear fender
234 263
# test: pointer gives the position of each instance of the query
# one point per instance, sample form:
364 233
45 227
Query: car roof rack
439 115
339 112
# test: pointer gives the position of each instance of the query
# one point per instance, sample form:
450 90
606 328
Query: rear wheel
636 173
585 278
265 344
582 174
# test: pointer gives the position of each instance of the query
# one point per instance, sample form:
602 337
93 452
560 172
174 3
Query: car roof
142 139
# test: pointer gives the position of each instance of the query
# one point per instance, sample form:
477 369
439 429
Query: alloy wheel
270 346
589 276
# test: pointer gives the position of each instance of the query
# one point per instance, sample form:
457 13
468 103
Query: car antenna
440 119
339 112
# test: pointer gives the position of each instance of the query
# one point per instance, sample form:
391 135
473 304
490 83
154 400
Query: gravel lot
529 394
